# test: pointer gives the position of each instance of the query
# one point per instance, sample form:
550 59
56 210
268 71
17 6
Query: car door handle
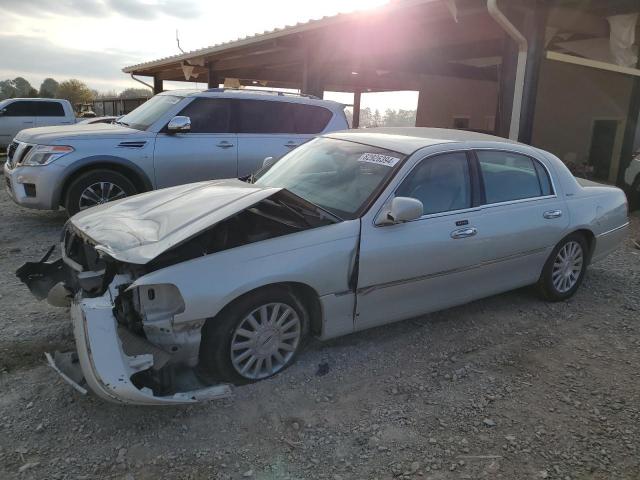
225 145
27 123
552 214
291 144
464 233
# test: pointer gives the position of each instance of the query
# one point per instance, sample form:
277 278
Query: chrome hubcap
567 267
99 193
265 340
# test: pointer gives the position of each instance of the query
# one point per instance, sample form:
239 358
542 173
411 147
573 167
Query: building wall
570 98
444 98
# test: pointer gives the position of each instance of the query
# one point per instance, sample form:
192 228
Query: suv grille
80 252
16 152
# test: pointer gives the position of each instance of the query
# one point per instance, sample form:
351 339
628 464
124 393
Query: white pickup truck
19 113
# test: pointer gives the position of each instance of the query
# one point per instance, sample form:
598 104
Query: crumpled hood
49 135
139 228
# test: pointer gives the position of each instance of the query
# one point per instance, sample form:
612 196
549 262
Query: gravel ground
507 387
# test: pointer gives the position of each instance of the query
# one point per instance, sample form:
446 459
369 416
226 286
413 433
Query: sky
92 40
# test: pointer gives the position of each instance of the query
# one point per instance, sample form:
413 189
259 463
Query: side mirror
404 209
179 124
268 162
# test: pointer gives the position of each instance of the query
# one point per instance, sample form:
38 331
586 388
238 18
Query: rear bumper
609 241
108 369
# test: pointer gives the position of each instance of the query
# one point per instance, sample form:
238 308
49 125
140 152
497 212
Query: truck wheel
255 337
95 188
565 268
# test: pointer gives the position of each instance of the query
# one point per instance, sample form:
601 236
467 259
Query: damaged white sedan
177 293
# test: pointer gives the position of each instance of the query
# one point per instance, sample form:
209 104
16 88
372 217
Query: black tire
546 287
85 180
218 333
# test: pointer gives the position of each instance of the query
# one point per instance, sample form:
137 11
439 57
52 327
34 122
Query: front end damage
128 349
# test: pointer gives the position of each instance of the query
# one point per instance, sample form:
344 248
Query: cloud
41 58
135 9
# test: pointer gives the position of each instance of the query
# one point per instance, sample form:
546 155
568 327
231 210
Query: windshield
149 112
339 176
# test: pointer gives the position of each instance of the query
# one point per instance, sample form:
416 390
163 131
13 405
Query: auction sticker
379 159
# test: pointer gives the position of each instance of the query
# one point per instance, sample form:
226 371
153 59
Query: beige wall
570 97
443 98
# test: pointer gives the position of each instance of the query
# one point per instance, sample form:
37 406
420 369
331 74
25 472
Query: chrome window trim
613 230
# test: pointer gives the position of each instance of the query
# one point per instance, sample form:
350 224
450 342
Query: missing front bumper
108 370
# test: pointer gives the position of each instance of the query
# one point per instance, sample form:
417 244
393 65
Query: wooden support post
213 79
355 123
534 30
158 86
312 76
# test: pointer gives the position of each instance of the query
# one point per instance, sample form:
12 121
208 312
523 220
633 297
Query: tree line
390 118
76 91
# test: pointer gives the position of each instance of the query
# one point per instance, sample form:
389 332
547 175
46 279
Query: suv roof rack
269 92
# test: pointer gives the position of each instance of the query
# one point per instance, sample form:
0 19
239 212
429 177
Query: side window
442 183
19 109
510 176
208 115
48 109
309 119
259 116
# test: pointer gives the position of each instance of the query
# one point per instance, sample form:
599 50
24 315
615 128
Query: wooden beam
585 62
356 109
158 86
281 57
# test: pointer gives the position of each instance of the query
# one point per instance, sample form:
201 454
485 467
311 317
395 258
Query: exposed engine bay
129 345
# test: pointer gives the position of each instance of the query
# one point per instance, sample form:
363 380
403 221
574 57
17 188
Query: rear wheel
254 338
95 188
564 271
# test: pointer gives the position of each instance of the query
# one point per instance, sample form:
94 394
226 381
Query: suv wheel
95 188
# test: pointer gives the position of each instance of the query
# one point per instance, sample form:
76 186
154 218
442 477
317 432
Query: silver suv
176 137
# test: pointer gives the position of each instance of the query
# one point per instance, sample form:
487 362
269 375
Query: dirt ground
508 387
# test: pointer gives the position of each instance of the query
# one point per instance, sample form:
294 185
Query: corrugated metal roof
270 35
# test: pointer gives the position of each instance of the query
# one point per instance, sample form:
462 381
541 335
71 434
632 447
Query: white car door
427 264
274 128
50 113
15 116
208 151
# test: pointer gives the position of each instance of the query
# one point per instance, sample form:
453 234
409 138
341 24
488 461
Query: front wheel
254 338
564 271
96 187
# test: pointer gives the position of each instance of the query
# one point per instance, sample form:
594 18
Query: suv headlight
45 154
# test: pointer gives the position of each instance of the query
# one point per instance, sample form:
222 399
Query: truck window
19 109
48 109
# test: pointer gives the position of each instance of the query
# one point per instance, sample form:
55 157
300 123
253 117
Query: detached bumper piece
47 279
108 370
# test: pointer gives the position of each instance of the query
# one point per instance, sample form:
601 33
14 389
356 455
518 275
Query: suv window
48 109
208 115
442 183
510 176
19 109
257 116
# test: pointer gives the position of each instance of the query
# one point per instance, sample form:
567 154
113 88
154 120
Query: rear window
48 109
257 116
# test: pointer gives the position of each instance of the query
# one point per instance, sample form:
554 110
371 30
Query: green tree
49 88
7 89
136 93
75 91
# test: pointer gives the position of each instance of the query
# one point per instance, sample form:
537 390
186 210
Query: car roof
255 94
407 140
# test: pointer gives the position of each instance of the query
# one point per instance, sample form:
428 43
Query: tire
567 278
220 362
86 190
